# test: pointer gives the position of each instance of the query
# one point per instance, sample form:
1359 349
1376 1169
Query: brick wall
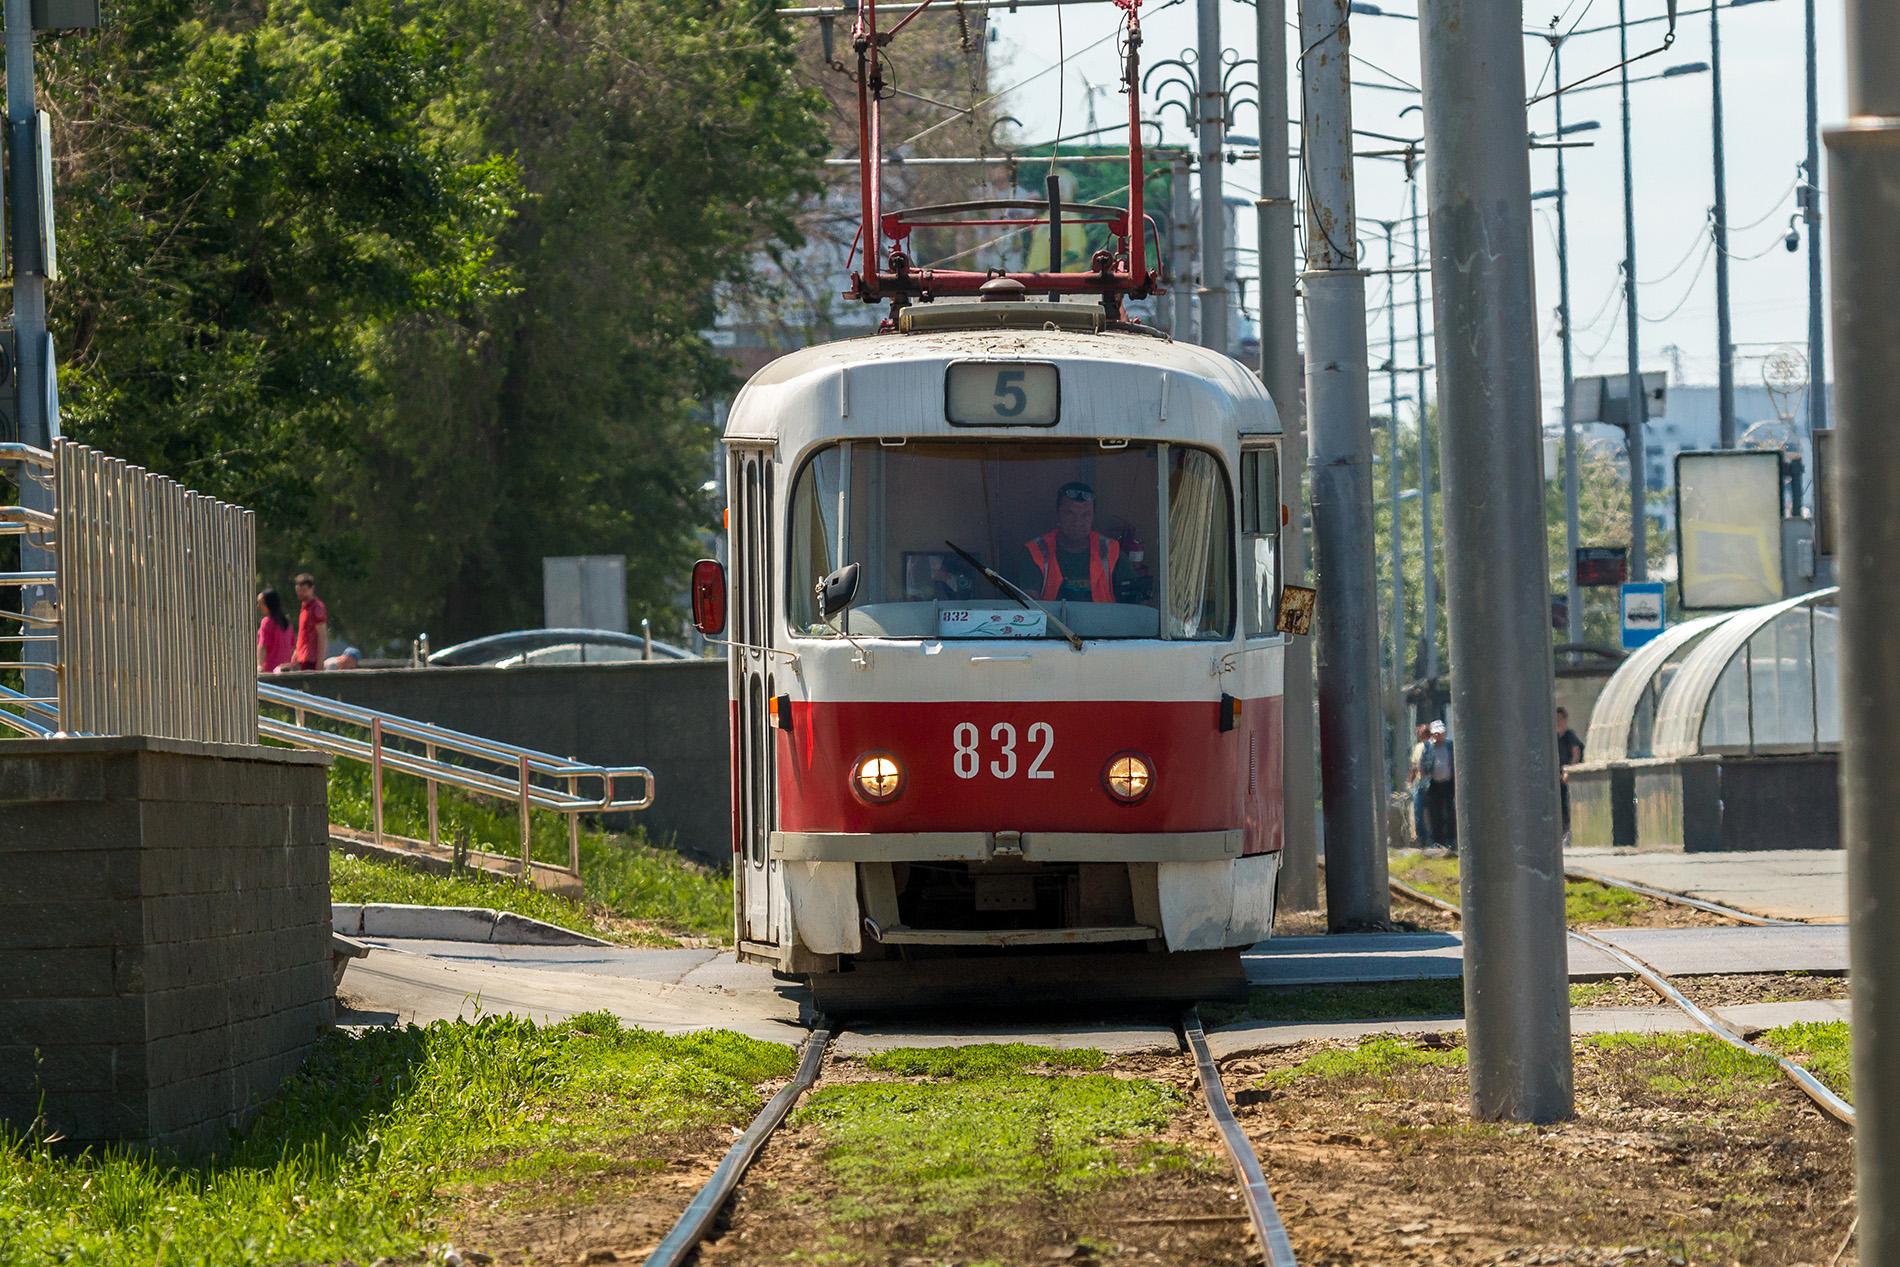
164 934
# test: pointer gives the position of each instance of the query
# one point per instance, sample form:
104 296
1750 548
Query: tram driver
1072 561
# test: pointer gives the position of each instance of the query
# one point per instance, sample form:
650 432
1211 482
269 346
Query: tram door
752 586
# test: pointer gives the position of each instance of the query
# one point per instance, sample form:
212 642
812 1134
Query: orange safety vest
1104 553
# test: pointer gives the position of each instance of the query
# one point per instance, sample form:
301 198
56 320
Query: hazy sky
1763 83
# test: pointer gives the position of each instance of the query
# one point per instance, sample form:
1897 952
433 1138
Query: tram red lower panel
1035 766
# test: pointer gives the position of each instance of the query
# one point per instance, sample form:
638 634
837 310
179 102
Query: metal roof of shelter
1631 693
1761 680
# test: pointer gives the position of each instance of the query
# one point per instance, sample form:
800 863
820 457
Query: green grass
1585 901
362 1150
1698 1066
1376 1059
1820 1047
962 1152
624 876
981 1060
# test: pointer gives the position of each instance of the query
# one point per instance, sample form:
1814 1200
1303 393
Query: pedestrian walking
313 619
1441 775
1416 783
1569 752
274 638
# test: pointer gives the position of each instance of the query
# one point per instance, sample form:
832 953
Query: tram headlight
877 777
1128 777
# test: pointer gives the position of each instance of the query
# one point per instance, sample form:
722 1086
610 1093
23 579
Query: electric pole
1280 371
1212 115
1864 177
1339 407
1637 412
1517 1000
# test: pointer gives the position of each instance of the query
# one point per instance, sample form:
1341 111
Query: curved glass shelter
1765 681
1623 720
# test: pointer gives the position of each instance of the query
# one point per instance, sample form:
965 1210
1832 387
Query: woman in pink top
274 635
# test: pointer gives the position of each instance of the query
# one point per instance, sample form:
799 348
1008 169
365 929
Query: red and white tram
1001 605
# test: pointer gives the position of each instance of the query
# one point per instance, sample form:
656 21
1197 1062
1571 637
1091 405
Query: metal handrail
523 765
27 704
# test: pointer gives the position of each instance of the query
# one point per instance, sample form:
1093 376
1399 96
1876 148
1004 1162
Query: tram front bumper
981 846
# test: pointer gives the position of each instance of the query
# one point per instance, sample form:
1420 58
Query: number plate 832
1002 394
998 752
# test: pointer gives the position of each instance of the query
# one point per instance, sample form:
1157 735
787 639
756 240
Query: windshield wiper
1012 590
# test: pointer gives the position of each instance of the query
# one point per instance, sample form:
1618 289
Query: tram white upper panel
1125 386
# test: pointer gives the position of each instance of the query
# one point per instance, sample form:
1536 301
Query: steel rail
1260 1207
698 1217
1682 899
1830 1103
1837 1108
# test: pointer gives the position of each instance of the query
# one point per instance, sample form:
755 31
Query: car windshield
1076 526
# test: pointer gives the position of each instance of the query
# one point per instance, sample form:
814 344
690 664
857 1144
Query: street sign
1605 398
1605 566
1642 612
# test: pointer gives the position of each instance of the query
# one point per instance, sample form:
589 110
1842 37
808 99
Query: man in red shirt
312 620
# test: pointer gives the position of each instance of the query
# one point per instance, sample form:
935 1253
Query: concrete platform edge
451 923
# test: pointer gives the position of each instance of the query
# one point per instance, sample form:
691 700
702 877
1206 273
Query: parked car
555 646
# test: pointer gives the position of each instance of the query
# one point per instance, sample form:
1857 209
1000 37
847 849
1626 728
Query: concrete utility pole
1400 740
1517 1003
1213 128
1864 175
1339 406
1181 250
1724 333
1280 371
1638 412
1811 212
1573 522
1429 598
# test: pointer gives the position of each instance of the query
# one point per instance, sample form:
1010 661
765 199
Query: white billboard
1728 527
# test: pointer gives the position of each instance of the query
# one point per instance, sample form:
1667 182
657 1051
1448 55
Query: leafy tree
244 195
422 281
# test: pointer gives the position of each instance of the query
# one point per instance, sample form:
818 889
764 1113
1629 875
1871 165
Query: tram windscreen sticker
1002 394
975 622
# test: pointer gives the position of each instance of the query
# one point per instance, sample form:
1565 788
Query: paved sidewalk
1807 884
1359 957
1254 1036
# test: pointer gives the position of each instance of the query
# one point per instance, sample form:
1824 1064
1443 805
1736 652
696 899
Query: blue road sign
1642 612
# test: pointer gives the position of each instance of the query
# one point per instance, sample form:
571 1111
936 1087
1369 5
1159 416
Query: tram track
697 1222
1666 989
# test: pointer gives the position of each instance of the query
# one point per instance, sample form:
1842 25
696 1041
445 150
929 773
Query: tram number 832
968 761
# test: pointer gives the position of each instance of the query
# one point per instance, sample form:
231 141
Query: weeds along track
699 1226
1667 990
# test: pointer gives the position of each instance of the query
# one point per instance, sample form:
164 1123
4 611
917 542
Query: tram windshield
1092 536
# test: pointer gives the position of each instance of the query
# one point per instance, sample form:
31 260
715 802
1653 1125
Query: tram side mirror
709 597
836 591
1296 610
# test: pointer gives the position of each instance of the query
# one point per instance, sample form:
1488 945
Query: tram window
1200 598
1260 539
1075 525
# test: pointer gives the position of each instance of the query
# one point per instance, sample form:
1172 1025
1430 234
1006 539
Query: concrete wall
667 715
164 934
1602 806
1720 803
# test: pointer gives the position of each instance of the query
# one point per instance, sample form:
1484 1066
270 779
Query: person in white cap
1441 815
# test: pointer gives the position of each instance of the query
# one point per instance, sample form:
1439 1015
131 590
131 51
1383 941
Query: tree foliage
422 283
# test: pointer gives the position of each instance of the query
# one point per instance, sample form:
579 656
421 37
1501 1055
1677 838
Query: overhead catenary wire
1688 291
